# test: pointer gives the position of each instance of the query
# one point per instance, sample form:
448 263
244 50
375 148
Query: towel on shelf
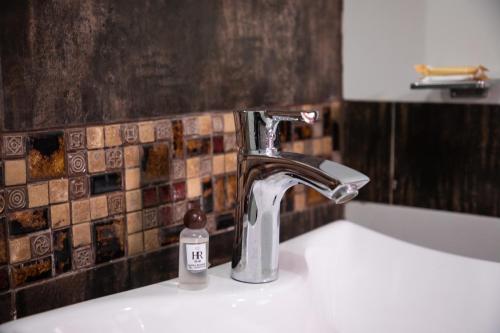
451 74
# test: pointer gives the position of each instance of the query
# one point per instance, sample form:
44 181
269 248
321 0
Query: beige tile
146 132
206 166
298 147
133 200
218 165
204 125
59 215
317 147
81 234
318 129
193 167
80 211
135 243
95 137
38 194
132 178
217 123
19 249
15 172
287 147
58 190
98 207
327 146
96 160
134 222
131 156
193 188
299 202
112 136
230 162
228 122
151 239
190 125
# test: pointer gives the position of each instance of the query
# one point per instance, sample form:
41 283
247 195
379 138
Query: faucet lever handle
308 117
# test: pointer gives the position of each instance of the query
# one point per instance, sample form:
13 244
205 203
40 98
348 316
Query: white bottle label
196 257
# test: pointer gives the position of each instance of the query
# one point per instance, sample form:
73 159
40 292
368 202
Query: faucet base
259 280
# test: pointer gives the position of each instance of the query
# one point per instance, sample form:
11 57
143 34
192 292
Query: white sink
340 278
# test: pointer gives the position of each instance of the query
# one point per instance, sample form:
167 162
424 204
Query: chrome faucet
264 175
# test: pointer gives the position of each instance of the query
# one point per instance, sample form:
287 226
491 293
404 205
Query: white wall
383 39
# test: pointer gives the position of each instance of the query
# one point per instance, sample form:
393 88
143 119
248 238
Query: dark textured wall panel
74 62
367 133
448 157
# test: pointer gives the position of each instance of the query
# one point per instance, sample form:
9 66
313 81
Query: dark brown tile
285 131
31 271
116 203
75 139
109 239
170 235
27 221
207 195
62 250
14 145
77 163
165 193
194 204
218 144
165 215
313 197
224 221
302 132
4 255
17 198
149 218
2 183
149 197
6 303
40 245
179 191
198 147
105 183
78 188
178 138
2 202
46 155
4 279
155 163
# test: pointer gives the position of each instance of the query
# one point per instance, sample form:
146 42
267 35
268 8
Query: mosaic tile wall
75 198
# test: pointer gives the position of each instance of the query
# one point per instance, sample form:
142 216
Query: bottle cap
195 219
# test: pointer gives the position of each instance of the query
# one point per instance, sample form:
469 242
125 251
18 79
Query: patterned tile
17 198
179 209
78 188
150 218
116 203
190 125
75 139
2 202
163 130
14 145
130 133
178 169
40 245
114 158
217 123
77 163
83 257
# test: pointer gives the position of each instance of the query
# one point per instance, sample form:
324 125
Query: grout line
392 157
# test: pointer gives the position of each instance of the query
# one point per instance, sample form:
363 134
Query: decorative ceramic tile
218 165
230 162
16 198
81 234
134 222
298 147
149 218
14 145
96 160
217 123
31 271
114 158
149 197
132 178
95 137
2 202
207 199
131 156
78 188
308 147
194 204
198 146
46 155
163 130
105 183
15 172
98 207
205 125
229 142
179 191
80 211
38 194
190 125
178 169
165 193
58 191
218 144
109 240
206 166
169 235
62 250
193 167
19 249
59 215
82 257
40 245
231 187
299 202
327 146
1 173
146 132
229 122
151 239
27 221
155 163
178 138
130 133
193 188
317 129
135 243
112 136
77 163
4 278
179 209
75 139
317 147
219 193
133 200
116 203
165 215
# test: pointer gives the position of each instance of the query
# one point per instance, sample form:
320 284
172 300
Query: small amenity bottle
193 251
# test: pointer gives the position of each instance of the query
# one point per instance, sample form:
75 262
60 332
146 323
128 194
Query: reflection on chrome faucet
264 175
